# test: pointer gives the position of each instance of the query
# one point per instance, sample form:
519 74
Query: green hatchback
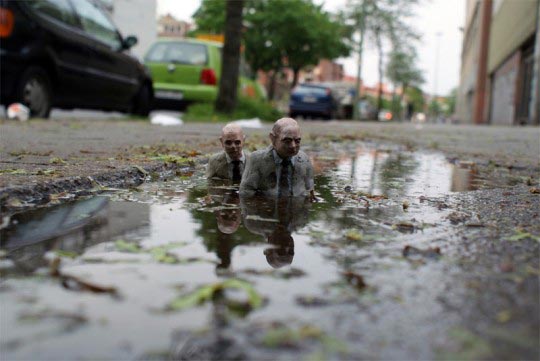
188 70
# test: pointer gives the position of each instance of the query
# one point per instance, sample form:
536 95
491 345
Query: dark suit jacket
260 176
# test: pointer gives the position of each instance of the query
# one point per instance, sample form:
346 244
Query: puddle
330 275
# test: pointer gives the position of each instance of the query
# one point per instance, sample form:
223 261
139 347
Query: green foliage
401 69
246 108
296 30
416 97
210 17
451 102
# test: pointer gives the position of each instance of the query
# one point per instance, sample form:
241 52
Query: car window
179 53
301 90
59 10
96 23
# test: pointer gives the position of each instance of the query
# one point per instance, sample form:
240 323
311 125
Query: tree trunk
380 65
296 72
228 84
272 85
403 89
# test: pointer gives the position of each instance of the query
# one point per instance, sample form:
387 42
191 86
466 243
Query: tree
402 72
281 33
228 83
380 21
310 36
210 17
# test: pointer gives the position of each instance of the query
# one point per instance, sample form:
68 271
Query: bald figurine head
232 140
285 137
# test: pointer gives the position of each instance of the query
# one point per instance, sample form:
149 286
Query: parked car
314 100
68 54
367 110
343 92
188 70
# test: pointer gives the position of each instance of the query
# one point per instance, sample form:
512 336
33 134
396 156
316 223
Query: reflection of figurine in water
228 217
283 252
275 219
230 163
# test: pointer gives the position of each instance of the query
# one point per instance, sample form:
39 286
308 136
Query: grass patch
246 108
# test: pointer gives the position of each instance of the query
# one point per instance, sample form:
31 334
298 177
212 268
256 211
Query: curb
20 198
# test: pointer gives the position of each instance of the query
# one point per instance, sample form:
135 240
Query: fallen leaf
504 316
355 279
413 252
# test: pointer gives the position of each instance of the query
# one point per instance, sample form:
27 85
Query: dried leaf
413 252
57 160
355 279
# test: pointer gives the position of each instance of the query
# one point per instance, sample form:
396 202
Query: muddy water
184 270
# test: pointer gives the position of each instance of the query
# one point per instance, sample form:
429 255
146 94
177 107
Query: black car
68 54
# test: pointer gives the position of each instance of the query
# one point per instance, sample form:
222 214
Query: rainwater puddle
178 269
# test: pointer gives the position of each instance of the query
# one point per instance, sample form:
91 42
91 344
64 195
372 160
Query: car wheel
34 91
142 103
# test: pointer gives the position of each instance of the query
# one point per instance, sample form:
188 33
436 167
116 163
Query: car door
113 79
62 41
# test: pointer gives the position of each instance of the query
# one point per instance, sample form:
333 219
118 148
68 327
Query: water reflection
70 227
403 173
275 219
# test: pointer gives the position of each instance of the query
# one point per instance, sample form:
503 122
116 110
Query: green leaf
12 171
66 254
124 246
521 235
254 299
206 293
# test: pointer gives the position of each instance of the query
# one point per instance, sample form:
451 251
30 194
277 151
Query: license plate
309 100
169 95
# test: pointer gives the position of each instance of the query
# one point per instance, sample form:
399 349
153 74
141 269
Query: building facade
498 75
135 17
169 26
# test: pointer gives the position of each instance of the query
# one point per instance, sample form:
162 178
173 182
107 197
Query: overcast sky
434 16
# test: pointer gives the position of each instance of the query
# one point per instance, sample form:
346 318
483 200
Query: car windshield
301 90
178 53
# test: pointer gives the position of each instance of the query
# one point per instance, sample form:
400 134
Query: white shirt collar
278 159
242 159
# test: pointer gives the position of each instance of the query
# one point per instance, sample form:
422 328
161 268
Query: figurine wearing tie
230 163
282 169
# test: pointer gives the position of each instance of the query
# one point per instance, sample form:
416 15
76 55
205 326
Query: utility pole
438 35
535 86
362 19
435 74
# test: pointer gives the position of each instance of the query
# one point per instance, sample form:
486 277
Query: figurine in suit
230 163
282 169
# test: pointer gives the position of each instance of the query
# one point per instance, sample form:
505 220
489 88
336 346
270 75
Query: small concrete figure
282 169
230 163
